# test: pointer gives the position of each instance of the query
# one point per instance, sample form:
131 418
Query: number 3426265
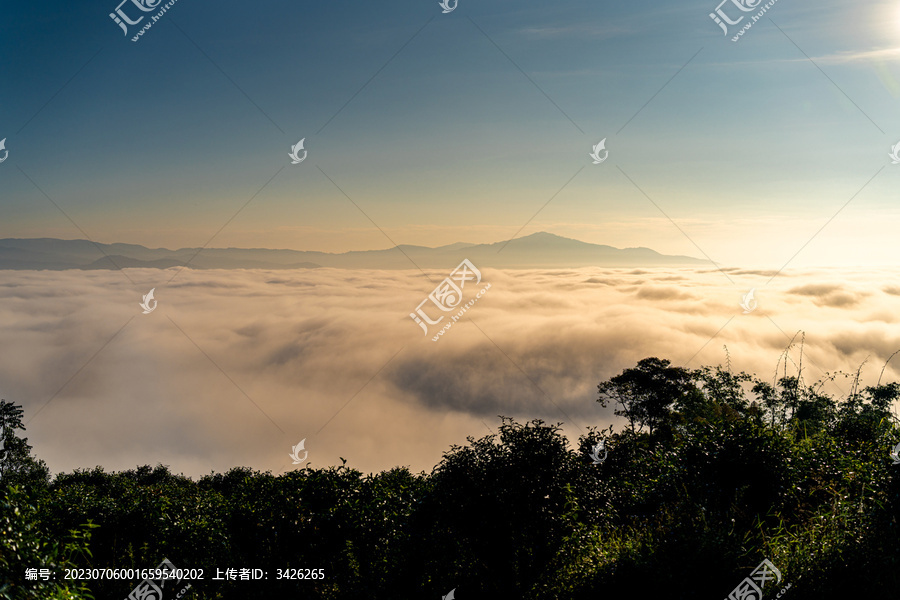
301 574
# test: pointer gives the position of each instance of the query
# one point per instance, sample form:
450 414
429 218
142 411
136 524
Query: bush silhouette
714 472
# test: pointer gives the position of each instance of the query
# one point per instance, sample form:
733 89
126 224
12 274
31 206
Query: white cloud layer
235 367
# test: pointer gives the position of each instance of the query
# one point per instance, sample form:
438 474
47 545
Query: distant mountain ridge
538 250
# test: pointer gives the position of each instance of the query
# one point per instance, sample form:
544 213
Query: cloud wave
235 367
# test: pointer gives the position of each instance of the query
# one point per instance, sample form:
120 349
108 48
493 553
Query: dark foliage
714 472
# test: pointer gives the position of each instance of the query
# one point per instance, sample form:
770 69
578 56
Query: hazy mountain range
539 250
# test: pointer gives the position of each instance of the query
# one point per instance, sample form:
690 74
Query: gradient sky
750 149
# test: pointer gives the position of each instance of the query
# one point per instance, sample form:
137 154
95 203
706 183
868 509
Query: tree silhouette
645 394
17 465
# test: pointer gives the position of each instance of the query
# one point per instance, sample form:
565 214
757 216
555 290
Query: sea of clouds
235 367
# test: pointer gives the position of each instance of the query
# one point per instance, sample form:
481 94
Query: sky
769 156
473 126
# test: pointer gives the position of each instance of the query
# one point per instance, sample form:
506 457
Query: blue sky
750 149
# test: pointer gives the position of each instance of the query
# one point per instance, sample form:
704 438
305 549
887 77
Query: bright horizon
750 261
